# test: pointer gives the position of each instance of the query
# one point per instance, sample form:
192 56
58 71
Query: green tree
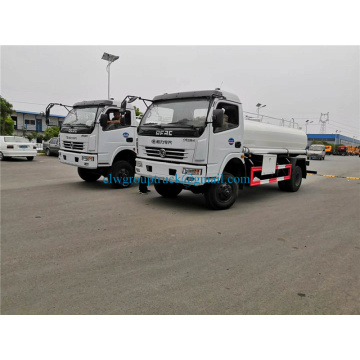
137 111
6 123
51 132
31 136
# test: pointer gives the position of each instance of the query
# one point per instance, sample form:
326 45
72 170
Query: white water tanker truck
199 141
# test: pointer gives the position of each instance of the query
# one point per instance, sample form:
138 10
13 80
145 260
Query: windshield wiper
151 124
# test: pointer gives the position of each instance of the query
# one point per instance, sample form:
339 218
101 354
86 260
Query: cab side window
117 120
231 117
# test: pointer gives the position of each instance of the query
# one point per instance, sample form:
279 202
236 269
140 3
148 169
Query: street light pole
306 124
258 105
110 59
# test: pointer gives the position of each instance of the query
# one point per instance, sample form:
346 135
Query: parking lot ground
70 247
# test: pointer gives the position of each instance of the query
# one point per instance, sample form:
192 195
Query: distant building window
15 121
29 122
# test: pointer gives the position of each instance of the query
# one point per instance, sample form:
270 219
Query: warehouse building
333 139
33 121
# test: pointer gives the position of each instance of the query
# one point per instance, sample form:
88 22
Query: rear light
10 146
34 147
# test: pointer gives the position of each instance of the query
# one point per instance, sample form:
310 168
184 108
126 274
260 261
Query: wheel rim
224 192
123 173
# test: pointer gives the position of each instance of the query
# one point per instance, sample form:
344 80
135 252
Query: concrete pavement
70 247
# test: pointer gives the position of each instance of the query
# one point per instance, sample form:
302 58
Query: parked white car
16 146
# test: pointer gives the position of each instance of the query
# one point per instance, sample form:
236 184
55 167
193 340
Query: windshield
317 147
15 139
81 117
177 112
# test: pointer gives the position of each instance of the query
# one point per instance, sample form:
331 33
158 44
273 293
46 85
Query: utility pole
324 118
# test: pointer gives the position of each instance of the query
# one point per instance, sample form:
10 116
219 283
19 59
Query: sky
298 82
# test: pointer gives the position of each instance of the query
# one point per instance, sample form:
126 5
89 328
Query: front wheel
2 157
88 175
48 153
30 158
168 190
294 183
222 195
121 174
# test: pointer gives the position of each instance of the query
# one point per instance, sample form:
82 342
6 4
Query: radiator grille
73 145
168 152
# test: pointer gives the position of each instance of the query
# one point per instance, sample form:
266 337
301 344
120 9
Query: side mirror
218 118
103 120
123 106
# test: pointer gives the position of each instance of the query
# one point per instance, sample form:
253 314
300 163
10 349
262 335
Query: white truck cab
199 141
99 141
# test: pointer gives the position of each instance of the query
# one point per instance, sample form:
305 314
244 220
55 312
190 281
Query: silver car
316 152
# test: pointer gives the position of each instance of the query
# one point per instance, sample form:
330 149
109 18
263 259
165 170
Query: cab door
226 140
114 137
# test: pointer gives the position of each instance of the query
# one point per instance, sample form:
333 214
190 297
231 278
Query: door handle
238 144
129 140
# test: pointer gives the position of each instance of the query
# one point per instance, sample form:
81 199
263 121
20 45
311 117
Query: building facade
335 139
33 121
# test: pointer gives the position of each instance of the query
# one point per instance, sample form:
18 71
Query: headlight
192 171
87 158
138 163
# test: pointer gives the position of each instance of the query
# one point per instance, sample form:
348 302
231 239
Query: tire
294 183
30 158
168 190
2 157
122 174
222 195
47 152
88 175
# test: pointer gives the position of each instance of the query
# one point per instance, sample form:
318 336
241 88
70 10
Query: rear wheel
88 175
222 195
294 183
48 153
30 158
122 174
2 157
168 190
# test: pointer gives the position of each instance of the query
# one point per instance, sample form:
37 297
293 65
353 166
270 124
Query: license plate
23 147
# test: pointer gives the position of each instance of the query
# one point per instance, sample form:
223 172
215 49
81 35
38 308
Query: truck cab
328 149
99 141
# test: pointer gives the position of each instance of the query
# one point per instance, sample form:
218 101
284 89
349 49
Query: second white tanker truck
199 141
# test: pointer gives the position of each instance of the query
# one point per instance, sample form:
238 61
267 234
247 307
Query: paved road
69 247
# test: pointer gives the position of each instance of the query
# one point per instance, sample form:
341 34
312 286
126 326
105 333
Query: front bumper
19 153
170 172
76 159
